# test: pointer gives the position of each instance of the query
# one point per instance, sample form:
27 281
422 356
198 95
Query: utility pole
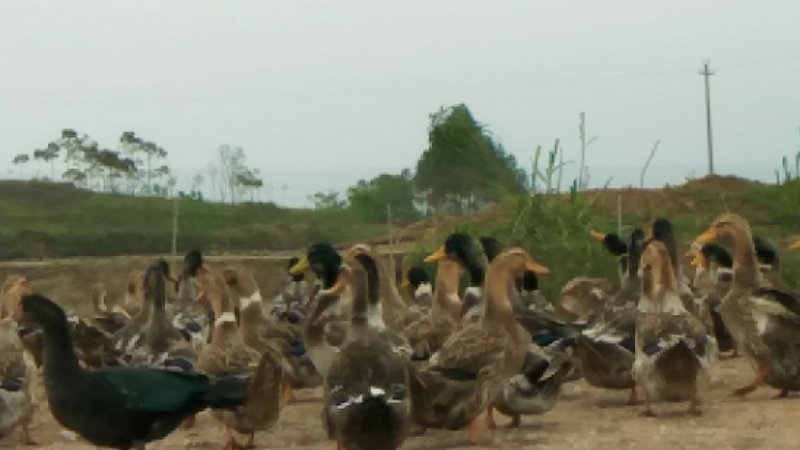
706 72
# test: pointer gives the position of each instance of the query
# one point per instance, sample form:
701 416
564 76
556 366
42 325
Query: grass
555 229
43 220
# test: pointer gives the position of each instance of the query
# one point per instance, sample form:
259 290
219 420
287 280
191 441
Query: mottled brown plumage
764 322
673 349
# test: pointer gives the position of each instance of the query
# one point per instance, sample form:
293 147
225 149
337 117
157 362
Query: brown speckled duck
470 370
229 354
367 406
765 322
672 345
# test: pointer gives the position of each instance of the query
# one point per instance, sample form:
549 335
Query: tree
369 200
150 157
236 178
463 168
327 200
48 155
20 160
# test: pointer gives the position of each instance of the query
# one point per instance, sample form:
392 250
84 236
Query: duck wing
167 392
777 302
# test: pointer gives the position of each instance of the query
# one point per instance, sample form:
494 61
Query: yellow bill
405 284
795 245
300 267
439 254
597 236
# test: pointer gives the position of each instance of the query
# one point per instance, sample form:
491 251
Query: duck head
324 261
491 247
616 246
663 231
731 230
463 249
507 266
657 274
14 289
41 311
415 277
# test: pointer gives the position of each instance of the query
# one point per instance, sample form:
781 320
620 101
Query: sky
323 93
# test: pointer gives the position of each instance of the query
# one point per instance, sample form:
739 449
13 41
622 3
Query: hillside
42 220
555 228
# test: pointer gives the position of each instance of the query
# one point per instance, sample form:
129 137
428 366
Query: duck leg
490 418
648 411
633 399
694 407
27 439
515 421
249 445
287 392
473 431
761 375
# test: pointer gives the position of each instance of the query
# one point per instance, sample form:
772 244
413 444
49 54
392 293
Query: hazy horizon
321 94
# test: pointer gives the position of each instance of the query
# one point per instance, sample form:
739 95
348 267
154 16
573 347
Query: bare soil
585 418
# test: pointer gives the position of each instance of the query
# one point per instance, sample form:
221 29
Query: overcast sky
322 93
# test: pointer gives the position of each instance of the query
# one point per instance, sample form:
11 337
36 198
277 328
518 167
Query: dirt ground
585 418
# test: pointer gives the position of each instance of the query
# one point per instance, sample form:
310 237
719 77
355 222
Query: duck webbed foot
784 393
694 407
761 375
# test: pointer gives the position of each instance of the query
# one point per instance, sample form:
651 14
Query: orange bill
535 267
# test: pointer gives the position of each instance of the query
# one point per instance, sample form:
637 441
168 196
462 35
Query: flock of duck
394 365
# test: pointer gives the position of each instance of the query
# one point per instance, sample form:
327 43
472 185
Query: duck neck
745 266
59 356
250 310
225 328
498 309
446 301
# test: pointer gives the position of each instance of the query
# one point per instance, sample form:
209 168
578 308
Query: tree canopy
369 199
463 168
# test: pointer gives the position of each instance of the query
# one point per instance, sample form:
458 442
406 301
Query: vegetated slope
555 228
47 220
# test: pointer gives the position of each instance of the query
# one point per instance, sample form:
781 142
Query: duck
228 353
770 267
366 400
17 375
159 342
191 312
119 407
395 314
582 298
537 388
604 351
14 288
295 294
491 248
663 231
419 282
109 320
270 334
672 346
462 248
429 333
765 322
529 294
324 329
712 280
464 377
